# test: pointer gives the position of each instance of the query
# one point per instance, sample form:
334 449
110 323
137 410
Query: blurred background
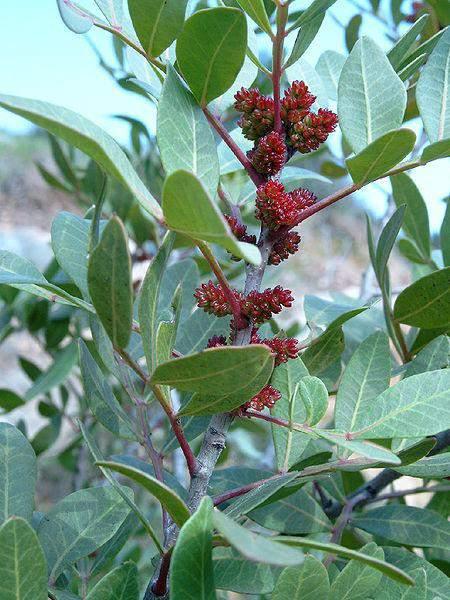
40 58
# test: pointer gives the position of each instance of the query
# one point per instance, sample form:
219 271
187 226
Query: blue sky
41 58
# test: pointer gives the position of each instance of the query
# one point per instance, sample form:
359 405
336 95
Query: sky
40 58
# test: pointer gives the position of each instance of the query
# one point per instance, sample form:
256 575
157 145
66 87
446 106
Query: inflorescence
278 210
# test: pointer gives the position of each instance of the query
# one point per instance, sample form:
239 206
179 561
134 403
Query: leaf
400 49
415 222
9 400
434 356
314 395
303 40
119 584
381 155
329 67
352 31
425 303
157 22
184 137
56 374
259 495
444 235
97 456
386 243
297 513
256 10
289 445
110 284
407 525
412 68
233 572
78 525
307 582
371 97
87 137
191 571
370 450
17 474
23 571
429 467
366 376
433 91
324 351
75 20
196 331
414 407
113 11
254 546
389 570
188 209
316 8
174 505
100 397
357 580
211 50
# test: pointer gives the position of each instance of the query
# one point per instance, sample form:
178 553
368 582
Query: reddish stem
216 123
160 586
240 491
177 429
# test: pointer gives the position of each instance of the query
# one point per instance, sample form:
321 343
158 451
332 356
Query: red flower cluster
304 129
257 113
239 230
269 154
277 208
283 248
257 306
266 398
282 348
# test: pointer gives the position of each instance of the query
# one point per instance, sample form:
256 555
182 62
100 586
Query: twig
419 490
240 491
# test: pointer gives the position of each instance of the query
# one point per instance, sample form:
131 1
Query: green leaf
9 400
256 10
435 151
444 235
381 155
76 21
324 351
407 525
303 40
196 331
434 356
211 51
289 445
224 378
97 456
70 244
184 137
23 571
22 274
233 572
329 67
56 374
316 8
414 407
385 244
100 397
17 474
157 22
366 376
110 284
425 303
89 138
297 513
400 49
113 11
174 505
365 114
356 581
415 222
254 546
307 582
191 571
119 584
314 395
429 467
259 495
433 91
412 68
386 568
369 450
188 209
78 525
352 31
411 252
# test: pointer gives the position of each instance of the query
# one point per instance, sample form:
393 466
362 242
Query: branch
240 491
